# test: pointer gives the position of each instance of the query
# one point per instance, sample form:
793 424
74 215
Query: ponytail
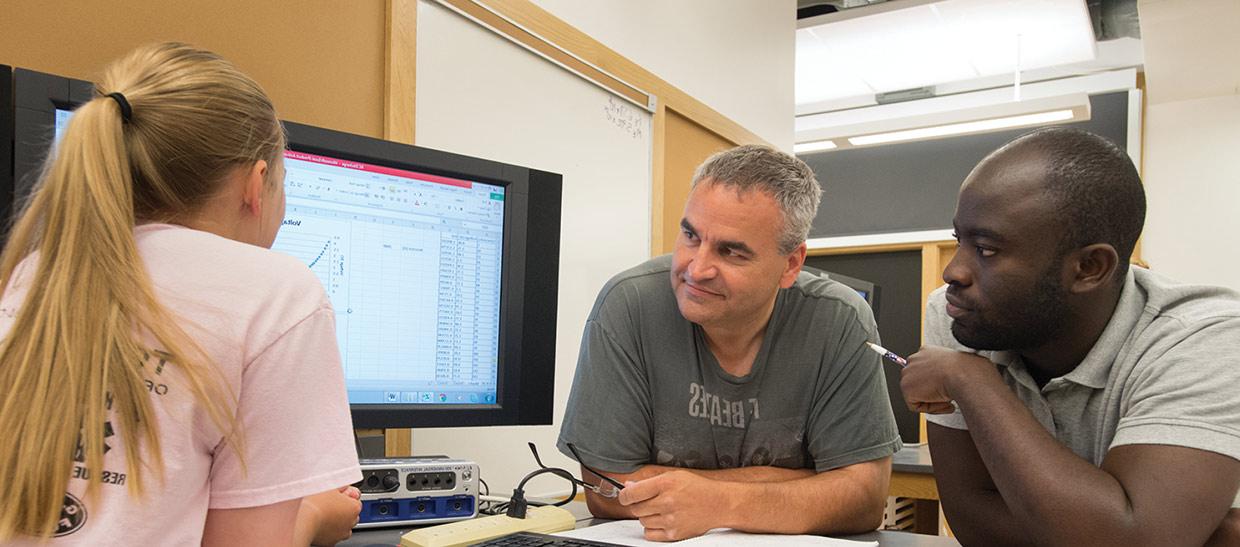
73 364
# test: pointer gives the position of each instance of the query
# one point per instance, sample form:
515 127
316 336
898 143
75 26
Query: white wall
1192 135
737 56
1192 180
479 94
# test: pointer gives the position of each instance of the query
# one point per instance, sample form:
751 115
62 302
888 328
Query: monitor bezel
28 103
529 279
871 290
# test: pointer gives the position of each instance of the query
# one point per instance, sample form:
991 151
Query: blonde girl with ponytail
164 377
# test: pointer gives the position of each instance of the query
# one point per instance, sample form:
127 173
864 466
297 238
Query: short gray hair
781 176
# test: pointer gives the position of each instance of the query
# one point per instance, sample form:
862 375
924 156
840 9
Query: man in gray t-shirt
1076 400
736 390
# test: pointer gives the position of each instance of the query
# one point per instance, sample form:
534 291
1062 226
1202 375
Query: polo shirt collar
1096 367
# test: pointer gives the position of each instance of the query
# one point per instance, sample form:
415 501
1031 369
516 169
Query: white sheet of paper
630 532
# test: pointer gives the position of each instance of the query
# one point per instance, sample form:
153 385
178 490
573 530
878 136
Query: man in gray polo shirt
735 390
1094 403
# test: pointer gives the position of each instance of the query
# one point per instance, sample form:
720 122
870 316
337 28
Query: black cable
518 505
562 473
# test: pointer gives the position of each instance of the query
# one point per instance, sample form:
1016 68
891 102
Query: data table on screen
413 270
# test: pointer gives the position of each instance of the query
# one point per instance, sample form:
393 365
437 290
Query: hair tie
126 110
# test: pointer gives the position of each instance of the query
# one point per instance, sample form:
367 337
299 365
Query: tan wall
322 61
687 145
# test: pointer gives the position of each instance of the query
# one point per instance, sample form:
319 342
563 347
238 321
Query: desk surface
913 458
388 537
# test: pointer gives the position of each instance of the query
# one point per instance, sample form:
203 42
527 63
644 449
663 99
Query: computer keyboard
531 539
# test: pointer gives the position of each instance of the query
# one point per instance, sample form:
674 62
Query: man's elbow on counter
864 517
871 518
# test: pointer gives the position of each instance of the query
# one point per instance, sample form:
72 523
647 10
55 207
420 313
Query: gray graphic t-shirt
648 390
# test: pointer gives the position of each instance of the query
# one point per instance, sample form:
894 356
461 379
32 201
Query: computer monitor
32 106
443 271
443 268
868 291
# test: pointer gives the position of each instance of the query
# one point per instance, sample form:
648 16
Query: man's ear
796 259
252 190
1091 267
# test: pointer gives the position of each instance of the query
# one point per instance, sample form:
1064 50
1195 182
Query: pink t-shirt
265 321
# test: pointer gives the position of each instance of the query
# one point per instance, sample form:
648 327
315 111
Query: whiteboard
482 95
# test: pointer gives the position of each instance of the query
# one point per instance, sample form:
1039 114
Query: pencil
888 354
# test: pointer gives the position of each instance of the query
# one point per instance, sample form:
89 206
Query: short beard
1037 318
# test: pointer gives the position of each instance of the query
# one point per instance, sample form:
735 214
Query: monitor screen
412 264
443 272
62 121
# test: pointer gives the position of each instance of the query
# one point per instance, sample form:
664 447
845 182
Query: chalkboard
911 187
898 277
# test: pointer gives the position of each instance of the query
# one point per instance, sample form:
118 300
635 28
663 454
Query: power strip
546 519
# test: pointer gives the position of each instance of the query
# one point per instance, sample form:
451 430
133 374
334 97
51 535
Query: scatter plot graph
324 251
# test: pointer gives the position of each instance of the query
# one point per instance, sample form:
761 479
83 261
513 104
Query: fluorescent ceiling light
940 117
962 128
816 146
863 51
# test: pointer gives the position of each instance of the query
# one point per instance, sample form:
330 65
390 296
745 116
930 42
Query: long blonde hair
74 357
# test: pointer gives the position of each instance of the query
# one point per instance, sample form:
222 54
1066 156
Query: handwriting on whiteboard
624 116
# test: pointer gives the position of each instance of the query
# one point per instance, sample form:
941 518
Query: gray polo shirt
1165 371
